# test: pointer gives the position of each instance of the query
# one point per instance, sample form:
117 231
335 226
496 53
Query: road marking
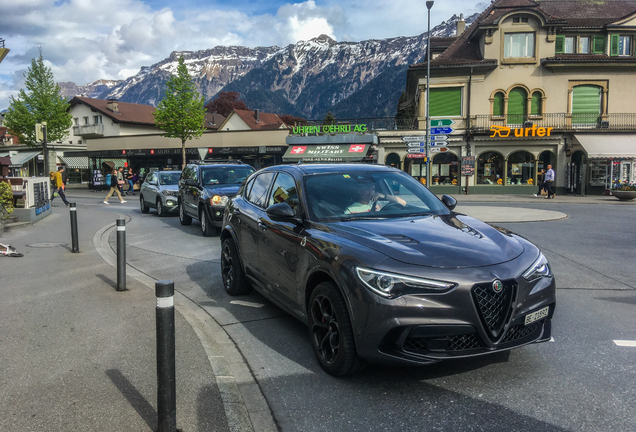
625 343
551 339
244 303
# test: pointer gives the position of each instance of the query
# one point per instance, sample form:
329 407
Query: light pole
429 5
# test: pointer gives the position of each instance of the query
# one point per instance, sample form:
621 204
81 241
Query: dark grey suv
382 270
204 190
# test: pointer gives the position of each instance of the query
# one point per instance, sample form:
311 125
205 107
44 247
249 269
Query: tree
42 102
225 102
181 114
329 119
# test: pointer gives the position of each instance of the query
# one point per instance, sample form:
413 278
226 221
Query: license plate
534 316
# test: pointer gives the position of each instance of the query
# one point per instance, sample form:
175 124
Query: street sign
468 165
414 138
438 149
416 156
439 144
441 122
415 144
441 130
438 137
416 150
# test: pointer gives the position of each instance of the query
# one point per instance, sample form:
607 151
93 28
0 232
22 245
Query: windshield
169 178
355 195
225 175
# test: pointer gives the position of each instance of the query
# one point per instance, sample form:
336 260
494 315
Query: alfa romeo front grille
494 307
520 331
453 343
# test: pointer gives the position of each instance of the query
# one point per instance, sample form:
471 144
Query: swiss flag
356 148
298 149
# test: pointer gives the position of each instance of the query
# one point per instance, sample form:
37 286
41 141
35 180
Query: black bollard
74 240
121 254
166 386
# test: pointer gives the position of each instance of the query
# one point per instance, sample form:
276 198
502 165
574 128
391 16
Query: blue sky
86 40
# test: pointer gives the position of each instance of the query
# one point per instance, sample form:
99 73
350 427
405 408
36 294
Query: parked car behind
380 269
204 190
159 190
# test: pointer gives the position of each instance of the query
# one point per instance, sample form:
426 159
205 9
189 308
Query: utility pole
429 5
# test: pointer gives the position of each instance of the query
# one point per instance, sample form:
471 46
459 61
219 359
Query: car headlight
391 285
218 200
540 268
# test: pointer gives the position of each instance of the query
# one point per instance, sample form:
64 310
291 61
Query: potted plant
625 191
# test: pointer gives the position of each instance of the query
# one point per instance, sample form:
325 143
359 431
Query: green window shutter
535 105
586 104
559 44
614 41
598 44
498 105
446 101
517 106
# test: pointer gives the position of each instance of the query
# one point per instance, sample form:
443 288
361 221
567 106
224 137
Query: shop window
445 102
498 105
490 168
444 169
536 104
517 105
418 170
520 168
586 104
519 45
393 159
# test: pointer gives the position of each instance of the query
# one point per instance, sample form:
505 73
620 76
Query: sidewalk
77 355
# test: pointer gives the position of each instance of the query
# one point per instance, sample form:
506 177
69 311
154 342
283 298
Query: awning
608 146
23 157
75 162
326 153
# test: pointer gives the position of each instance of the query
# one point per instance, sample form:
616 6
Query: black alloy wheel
160 209
232 273
206 227
183 217
142 205
331 332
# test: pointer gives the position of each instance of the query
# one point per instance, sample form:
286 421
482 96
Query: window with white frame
625 46
519 45
97 119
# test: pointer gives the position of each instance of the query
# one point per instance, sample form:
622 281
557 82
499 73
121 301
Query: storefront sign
329 129
504 131
326 153
468 165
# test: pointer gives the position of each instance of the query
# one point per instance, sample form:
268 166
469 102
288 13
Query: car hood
170 187
435 241
229 190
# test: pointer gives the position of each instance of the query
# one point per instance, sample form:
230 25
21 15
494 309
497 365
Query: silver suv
160 190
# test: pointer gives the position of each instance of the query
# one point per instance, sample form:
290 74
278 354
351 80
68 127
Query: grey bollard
74 237
121 255
166 385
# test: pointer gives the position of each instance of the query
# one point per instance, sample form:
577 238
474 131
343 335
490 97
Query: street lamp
429 5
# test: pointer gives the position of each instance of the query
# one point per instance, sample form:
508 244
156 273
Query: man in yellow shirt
59 185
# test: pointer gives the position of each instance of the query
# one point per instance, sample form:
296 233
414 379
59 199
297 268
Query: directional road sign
438 137
416 150
414 138
439 144
441 122
441 130
438 149
415 144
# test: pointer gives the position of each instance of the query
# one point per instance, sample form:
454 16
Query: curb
246 408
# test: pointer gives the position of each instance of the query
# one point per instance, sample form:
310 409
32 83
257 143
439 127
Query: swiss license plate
534 316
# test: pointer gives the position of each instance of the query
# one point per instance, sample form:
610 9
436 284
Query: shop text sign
468 165
329 129
504 131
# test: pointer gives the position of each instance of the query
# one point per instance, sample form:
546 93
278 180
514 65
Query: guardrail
560 122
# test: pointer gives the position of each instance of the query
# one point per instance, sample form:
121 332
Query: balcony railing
371 123
559 122
91 130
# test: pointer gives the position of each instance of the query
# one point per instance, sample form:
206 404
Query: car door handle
262 226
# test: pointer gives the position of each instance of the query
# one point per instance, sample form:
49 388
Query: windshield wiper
347 219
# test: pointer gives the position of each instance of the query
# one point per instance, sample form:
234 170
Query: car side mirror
449 201
282 213
191 182
154 183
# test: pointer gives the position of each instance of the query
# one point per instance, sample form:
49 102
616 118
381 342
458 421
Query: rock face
308 79
92 90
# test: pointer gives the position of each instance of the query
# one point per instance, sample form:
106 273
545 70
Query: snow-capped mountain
308 79
92 90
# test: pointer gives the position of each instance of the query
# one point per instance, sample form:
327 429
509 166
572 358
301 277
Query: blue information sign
441 130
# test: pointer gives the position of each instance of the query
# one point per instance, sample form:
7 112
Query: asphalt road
581 381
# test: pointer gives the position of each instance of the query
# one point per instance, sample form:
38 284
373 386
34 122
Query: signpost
416 144
414 138
438 149
441 122
441 130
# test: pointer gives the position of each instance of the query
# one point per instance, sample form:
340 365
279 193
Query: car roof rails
218 161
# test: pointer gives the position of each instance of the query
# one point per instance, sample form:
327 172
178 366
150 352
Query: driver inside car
368 199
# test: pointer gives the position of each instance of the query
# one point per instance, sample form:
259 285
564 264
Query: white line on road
625 343
244 303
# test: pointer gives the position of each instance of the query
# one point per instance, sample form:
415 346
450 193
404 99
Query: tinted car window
339 195
257 193
284 191
224 175
169 178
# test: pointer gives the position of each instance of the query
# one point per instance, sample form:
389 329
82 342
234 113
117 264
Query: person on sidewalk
120 180
114 187
549 182
130 180
540 182
59 187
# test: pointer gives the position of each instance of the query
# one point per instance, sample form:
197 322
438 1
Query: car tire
183 217
331 332
160 209
142 205
206 227
234 279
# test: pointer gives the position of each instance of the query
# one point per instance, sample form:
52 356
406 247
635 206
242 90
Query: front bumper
463 322
215 215
170 204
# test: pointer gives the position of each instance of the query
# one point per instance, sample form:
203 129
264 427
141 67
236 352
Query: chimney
461 25
257 115
111 104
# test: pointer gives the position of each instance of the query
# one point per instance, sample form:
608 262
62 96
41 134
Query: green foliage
180 113
329 119
6 197
42 102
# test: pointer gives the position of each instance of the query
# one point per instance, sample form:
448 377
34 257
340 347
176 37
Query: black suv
204 190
